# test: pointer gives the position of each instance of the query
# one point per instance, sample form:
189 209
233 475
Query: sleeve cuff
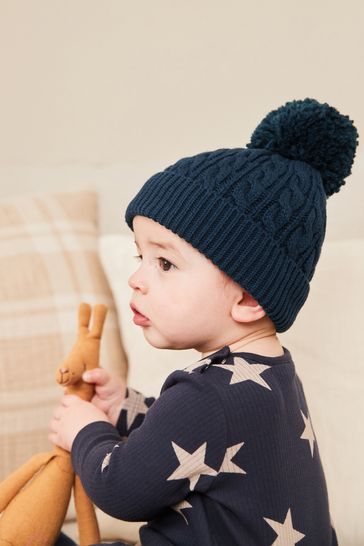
93 434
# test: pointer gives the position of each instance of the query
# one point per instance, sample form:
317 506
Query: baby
228 242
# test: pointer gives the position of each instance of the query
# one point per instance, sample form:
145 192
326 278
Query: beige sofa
52 256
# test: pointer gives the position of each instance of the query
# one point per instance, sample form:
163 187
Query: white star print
106 460
308 433
134 404
195 365
227 464
180 506
192 465
287 536
243 371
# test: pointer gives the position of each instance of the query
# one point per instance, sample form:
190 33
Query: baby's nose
136 283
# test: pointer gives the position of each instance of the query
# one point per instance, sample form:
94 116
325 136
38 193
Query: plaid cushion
48 264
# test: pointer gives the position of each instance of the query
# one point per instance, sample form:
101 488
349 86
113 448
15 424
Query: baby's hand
72 415
110 392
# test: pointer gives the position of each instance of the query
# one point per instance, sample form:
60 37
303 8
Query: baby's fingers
99 376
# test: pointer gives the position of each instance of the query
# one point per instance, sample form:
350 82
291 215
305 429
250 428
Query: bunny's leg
86 516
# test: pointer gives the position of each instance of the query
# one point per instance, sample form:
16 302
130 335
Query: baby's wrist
114 411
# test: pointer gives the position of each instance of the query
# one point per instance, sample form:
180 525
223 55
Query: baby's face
186 298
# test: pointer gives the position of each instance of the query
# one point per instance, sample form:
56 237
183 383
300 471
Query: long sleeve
178 448
132 411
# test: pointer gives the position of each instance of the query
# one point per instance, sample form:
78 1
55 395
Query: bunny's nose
63 370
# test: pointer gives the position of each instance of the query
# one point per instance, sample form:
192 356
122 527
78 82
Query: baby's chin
158 341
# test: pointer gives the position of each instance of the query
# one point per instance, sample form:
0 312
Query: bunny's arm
13 483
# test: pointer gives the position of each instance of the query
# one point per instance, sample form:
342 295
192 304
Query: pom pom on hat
315 133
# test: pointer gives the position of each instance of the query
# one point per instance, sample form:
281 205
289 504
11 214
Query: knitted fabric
259 215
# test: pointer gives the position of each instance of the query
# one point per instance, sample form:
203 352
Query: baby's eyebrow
165 245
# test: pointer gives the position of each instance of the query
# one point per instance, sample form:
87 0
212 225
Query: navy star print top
226 455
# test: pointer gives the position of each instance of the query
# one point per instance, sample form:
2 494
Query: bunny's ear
98 319
84 314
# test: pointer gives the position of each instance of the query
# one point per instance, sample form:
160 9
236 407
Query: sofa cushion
327 345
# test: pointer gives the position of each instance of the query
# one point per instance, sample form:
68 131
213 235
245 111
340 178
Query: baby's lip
135 310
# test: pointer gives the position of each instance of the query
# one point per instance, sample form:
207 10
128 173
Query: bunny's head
85 352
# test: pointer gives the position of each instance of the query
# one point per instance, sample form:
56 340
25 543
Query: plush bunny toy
34 499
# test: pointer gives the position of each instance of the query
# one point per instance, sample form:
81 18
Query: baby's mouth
135 310
139 319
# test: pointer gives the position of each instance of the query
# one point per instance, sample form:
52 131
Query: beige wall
102 93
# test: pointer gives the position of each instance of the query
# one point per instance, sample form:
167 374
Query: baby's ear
247 309
249 300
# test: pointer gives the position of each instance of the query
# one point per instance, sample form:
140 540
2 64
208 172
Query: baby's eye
165 263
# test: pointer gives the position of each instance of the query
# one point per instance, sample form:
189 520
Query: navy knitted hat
259 213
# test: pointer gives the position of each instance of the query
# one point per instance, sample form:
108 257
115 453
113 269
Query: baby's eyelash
139 256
